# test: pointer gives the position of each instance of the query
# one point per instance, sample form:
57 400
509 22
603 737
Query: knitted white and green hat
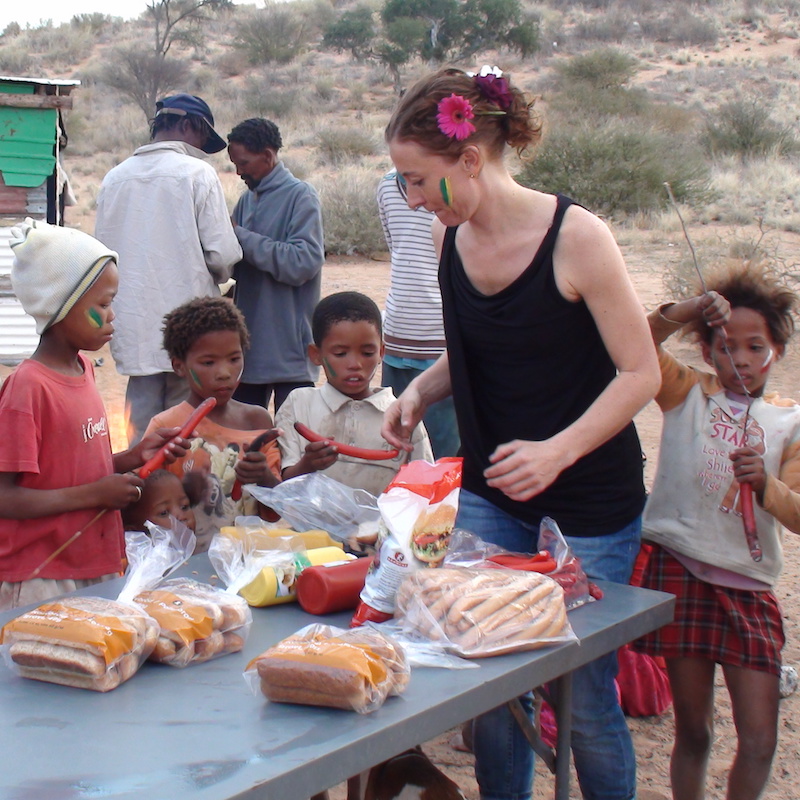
53 268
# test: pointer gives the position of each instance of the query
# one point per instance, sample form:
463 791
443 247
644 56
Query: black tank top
525 363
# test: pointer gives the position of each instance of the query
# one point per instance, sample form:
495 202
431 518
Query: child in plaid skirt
721 433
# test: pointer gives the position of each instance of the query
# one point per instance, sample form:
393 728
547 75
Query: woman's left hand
522 469
748 467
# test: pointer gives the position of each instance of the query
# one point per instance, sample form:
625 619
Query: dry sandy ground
647 255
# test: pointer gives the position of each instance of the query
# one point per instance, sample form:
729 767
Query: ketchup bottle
324 588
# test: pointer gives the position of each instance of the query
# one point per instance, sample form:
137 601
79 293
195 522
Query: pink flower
455 113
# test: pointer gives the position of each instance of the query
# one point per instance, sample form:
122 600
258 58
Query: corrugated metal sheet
18 337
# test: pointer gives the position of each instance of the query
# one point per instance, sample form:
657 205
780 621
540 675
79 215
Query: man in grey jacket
279 225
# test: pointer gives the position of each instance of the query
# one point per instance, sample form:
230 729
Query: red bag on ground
643 684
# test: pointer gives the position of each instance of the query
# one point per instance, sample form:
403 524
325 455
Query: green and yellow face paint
447 190
93 315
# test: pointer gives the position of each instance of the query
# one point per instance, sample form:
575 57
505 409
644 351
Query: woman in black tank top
548 359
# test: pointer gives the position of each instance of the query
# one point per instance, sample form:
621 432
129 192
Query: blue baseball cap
184 104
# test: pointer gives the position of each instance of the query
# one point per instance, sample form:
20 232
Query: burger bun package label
418 512
354 670
94 642
475 612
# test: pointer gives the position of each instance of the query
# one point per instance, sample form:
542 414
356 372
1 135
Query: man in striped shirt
413 328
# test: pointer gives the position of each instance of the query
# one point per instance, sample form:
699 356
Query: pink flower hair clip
454 115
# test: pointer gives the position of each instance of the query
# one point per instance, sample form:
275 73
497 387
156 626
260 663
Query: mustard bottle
274 585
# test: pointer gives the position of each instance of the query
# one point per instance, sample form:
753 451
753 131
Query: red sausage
156 462
345 449
749 521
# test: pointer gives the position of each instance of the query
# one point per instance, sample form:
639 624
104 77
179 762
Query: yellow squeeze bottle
273 585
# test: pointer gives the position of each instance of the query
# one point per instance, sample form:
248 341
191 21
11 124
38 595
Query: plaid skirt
738 627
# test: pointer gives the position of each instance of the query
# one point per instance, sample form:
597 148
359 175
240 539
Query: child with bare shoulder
235 443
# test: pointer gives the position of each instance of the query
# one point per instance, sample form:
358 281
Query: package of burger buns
476 612
320 665
418 512
95 642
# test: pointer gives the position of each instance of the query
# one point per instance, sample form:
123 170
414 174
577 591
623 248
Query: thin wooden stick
64 546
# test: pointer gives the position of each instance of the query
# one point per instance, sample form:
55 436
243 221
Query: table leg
563 712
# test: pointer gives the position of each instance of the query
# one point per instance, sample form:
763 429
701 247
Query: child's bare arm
712 307
111 491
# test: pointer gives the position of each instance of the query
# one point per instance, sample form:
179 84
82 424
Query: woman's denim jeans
601 743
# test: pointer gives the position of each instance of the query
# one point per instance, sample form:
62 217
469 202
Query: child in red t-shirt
60 485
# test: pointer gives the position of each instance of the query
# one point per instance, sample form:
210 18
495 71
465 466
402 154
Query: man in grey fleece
279 225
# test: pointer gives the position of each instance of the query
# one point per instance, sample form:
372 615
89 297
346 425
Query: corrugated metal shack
32 184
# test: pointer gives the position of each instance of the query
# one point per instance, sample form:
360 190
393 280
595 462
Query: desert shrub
616 168
274 34
600 69
16 59
682 28
613 26
11 30
325 88
745 128
588 101
94 22
350 212
354 30
337 145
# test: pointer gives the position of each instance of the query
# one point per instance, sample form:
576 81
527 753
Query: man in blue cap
164 212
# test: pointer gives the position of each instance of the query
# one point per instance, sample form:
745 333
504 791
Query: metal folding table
199 733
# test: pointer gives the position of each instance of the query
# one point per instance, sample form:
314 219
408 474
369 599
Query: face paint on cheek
193 376
93 315
768 361
447 191
328 368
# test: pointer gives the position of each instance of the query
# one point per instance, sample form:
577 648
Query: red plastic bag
643 684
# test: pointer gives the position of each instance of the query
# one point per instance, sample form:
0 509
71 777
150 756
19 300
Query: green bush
339 145
744 127
681 28
353 31
605 68
616 168
350 212
274 34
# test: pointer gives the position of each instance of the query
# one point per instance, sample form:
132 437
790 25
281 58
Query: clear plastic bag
94 642
315 501
554 558
477 612
321 665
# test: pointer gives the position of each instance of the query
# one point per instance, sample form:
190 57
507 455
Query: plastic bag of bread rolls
94 642
88 642
483 612
320 665
197 622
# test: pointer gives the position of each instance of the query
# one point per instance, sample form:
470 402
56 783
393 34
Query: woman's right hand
118 490
401 418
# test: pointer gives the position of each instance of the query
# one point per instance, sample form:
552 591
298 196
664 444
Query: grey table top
199 732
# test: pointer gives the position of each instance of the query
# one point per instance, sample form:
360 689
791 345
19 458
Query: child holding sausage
346 412
61 487
723 438
234 444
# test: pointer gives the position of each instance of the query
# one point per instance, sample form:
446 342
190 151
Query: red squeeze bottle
326 588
